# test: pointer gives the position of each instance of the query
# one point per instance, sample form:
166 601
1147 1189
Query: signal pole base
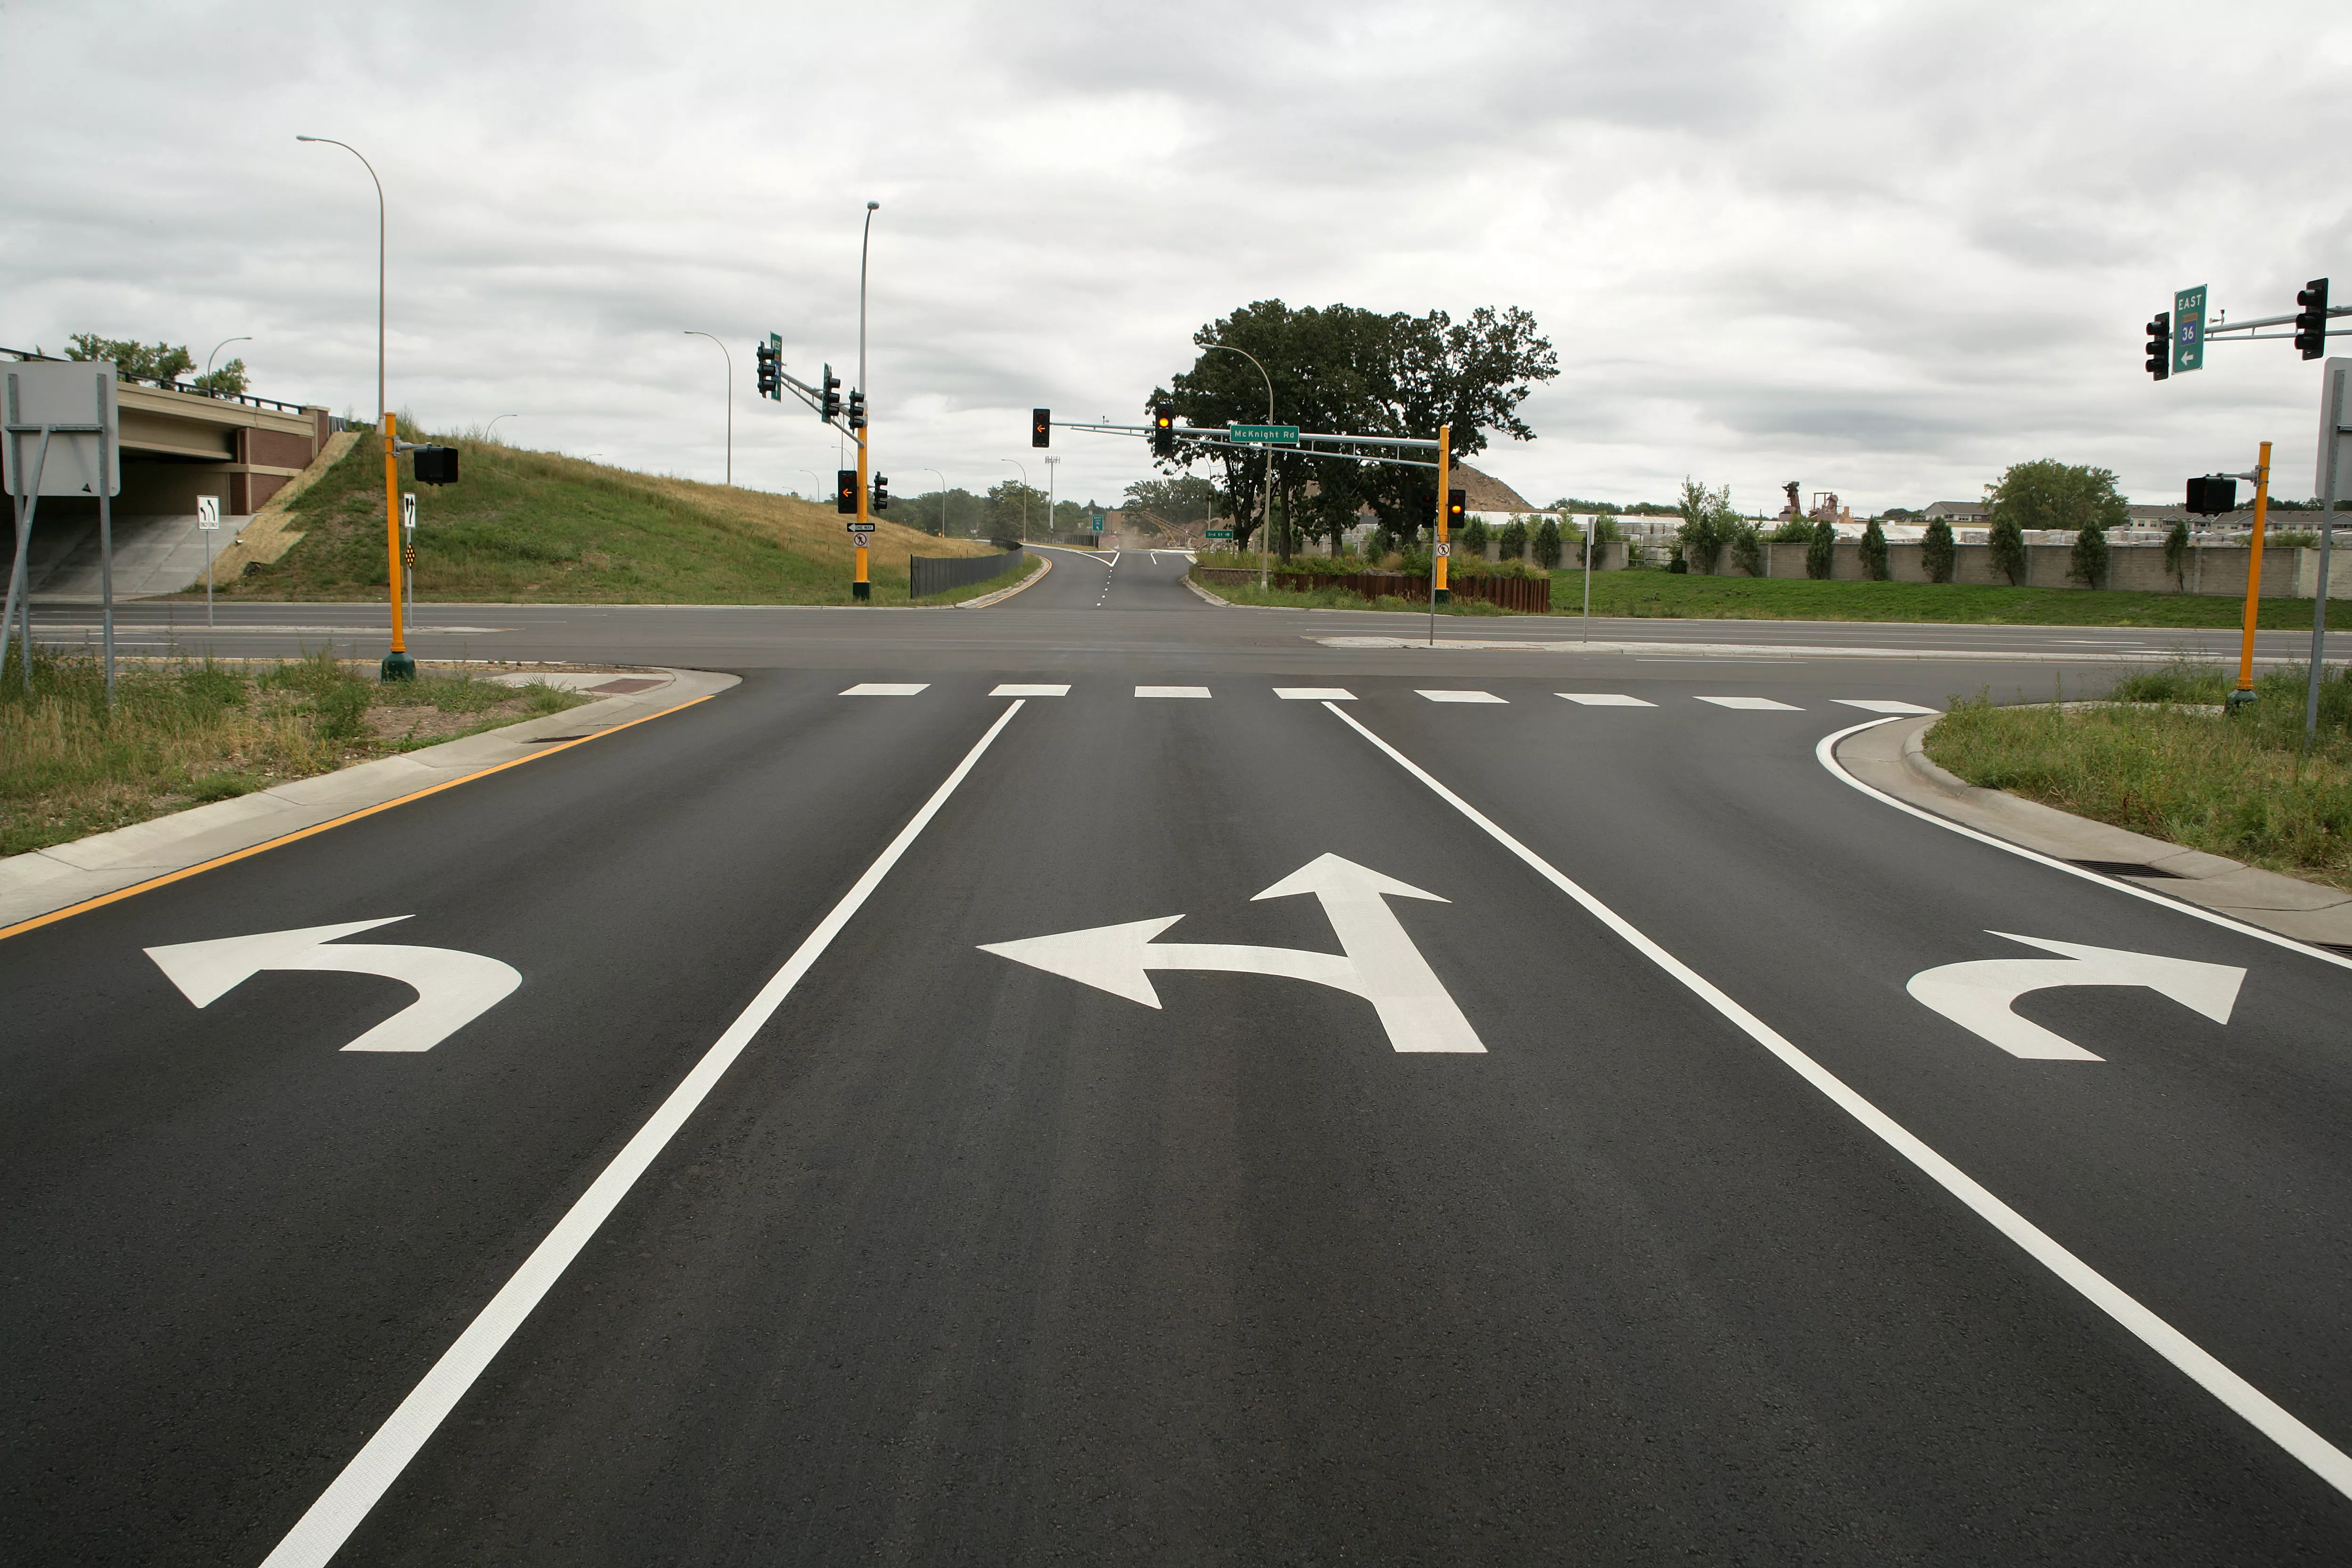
1441 596
398 665
861 591
2237 700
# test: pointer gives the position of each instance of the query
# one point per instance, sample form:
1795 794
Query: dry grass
2242 786
183 734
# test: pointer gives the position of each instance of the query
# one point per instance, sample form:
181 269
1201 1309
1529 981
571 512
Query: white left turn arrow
452 988
1380 963
1978 997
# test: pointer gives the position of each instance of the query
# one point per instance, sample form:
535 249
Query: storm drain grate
2124 869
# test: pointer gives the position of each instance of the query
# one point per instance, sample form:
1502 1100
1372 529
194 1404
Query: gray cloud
1885 249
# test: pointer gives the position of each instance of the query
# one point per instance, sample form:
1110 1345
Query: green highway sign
1220 533
2189 330
1264 435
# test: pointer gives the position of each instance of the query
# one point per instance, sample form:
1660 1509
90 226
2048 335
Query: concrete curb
1776 650
1221 604
1893 758
45 884
1044 564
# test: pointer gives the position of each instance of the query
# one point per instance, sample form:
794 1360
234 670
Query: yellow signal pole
2245 691
861 588
397 665
1437 591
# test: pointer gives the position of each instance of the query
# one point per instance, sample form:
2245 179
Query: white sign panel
37 393
407 511
209 513
2336 409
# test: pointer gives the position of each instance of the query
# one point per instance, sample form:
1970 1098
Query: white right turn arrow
1978 997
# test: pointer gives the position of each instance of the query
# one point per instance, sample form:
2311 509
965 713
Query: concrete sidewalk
45 884
1892 758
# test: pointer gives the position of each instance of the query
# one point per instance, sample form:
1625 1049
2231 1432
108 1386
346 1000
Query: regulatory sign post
408 547
2333 482
207 524
57 437
2189 330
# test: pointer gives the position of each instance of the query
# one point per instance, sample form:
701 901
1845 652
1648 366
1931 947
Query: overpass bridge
177 444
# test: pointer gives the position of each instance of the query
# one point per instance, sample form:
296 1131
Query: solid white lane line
1753 704
321 1532
1604 700
1171 692
2326 1461
1314 694
886 688
1826 754
1461 696
1883 705
1010 689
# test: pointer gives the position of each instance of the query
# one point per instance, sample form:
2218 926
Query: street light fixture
1024 495
397 665
216 349
1265 523
731 401
494 425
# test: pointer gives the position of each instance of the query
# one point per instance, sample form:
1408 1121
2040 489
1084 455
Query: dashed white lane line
1171 692
1753 704
886 688
1314 694
1883 705
1462 697
1012 691
1604 700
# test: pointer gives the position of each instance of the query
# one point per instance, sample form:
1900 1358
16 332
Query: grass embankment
185 734
536 527
1344 598
2242 786
1691 597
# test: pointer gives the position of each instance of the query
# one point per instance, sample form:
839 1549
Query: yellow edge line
56 915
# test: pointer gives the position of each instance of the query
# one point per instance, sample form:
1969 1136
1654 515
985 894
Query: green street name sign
1220 533
1264 435
2189 330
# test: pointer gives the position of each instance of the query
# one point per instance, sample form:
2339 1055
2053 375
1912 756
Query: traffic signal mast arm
812 396
1219 436
2252 336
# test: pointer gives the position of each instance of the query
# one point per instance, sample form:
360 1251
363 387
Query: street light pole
1049 492
943 500
216 349
1024 495
1265 523
816 484
731 401
862 588
397 665
486 435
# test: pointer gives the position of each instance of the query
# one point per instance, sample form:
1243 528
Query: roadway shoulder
1893 758
47 882
1044 564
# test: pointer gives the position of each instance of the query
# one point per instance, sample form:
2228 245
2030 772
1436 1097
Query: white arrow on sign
1380 963
1978 997
453 988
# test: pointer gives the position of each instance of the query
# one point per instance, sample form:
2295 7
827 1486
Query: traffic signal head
769 385
844 490
1457 503
829 404
2311 318
2159 346
856 409
436 465
1163 429
2212 495
881 492
1041 427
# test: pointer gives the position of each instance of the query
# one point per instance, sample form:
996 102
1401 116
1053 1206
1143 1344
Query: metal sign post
208 523
408 546
2334 477
74 400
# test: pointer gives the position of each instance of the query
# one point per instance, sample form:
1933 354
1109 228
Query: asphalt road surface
1562 1161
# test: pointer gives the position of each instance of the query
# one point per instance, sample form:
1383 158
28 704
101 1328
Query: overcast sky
1883 249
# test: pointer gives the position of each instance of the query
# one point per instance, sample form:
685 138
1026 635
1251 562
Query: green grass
1692 598
2244 786
182 734
535 526
1343 599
